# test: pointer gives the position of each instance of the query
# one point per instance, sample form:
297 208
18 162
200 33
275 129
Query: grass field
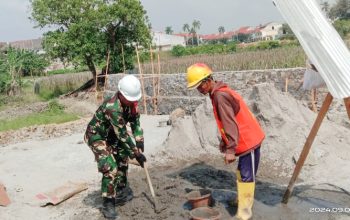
53 114
287 57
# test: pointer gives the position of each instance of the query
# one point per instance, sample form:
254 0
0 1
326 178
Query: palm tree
196 25
186 29
193 33
169 30
221 29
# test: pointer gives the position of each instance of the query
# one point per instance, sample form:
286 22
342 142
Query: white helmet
130 88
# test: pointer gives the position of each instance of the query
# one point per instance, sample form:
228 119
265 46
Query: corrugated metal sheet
321 42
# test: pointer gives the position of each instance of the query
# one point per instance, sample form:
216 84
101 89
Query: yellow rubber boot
245 193
238 175
235 201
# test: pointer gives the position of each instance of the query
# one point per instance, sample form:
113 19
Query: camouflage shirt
112 117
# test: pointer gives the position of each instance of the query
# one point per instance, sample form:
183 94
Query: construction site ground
184 157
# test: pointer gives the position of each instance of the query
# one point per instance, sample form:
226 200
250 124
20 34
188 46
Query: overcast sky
232 14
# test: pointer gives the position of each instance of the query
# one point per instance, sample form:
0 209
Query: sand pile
286 122
191 136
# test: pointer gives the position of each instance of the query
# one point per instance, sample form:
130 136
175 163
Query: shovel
149 184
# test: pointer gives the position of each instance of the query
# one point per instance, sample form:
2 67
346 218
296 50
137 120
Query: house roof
183 34
225 35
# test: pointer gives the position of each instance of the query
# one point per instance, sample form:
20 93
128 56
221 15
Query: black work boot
108 209
123 196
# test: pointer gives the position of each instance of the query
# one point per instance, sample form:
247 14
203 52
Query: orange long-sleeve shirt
227 107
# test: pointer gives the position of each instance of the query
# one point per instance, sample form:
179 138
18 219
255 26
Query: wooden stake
158 84
106 73
123 58
141 79
313 100
96 88
347 105
286 85
154 98
310 139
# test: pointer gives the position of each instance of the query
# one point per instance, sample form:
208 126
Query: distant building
245 34
165 42
33 44
207 38
270 31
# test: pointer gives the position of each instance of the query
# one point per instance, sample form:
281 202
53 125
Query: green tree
33 63
343 27
325 7
186 29
286 32
340 10
10 67
221 29
195 28
193 34
242 37
15 63
86 31
5 78
169 30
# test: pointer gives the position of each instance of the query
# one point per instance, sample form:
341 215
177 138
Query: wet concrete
173 182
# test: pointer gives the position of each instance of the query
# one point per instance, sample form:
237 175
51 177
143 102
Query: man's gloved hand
141 159
140 145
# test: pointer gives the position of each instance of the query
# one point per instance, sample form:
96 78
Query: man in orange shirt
240 132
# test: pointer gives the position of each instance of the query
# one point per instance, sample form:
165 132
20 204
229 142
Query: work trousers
248 165
113 164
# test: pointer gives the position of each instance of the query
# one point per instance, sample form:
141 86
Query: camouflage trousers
113 164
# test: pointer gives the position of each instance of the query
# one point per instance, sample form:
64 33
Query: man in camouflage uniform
107 137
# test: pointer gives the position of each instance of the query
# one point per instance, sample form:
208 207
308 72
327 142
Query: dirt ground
31 167
173 182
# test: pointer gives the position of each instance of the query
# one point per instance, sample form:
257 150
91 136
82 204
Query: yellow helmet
196 73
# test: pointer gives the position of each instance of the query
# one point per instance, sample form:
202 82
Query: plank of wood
60 194
310 139
347 105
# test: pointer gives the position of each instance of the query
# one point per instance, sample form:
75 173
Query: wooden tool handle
134 162
149 180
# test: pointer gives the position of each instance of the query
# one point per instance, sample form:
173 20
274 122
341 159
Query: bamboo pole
158 79
106 72
310 139
123 58
141 79
347 105
96 87
154 98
